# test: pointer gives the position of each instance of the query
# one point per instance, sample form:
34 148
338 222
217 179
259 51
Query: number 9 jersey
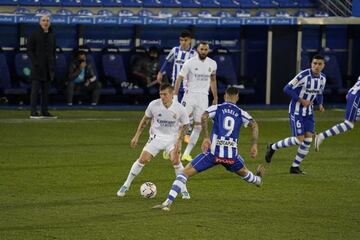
228 118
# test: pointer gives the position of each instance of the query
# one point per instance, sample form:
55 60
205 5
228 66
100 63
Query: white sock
178 170
302 151
337 129
193 139
134 171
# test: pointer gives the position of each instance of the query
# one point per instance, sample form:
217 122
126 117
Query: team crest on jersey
159 115
174 116
209 69
183 103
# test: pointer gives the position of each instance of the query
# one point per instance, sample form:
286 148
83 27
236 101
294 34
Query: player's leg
352 112
151 149
308 124
287 142
179 168
200 163
240 169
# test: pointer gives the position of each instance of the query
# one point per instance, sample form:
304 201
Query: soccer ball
148 190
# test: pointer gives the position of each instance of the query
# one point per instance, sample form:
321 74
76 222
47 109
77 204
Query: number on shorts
228 125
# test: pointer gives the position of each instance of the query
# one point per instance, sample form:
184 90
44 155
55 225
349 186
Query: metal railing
341 8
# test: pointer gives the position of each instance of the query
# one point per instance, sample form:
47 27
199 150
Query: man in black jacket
82 79
41 50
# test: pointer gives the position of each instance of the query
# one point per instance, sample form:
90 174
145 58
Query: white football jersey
166 121
197 73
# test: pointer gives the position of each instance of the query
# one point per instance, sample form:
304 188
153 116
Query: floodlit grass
58 180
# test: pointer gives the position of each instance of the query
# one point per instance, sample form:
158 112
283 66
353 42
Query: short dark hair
318 57
185 34
80 52
232 91
165 86
203 42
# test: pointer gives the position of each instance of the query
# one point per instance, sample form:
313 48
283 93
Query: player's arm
254 137
290 91
213 86
142 125
178 81
204 123
168 59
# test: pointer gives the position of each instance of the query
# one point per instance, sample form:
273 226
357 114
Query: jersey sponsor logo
166 123
226 143
312 91
224 160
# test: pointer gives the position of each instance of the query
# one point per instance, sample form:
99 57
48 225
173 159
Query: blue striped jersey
179 56
308 87
355 90
228 118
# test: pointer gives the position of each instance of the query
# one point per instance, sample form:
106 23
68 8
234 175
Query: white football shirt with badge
166 121
198 72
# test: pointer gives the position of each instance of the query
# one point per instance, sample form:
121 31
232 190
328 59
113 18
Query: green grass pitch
58 180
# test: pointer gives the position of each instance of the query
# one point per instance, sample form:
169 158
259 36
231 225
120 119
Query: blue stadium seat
55 3
224 14
164 13
210 3
249 4
307 4
23 69
64 12
190 4
5 81
105 12
125 13
112 3
242 13
266 3
43 11
287 3
171 3
204 14
71 3
9 2
305 60
22 11
263 13
301 13
91 3
132 3
145 13
184 13
61 69
152 3
85 12
229 3
115 75
331 70
29 2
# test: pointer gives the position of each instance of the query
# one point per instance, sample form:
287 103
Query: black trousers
43 87
94 89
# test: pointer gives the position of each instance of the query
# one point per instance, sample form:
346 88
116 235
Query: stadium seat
91 3
263 13
306 4
224 14
190 4
242 13
305 60
23 69
171 3
29 2
164 13
132 3
301 13
266 4
115 75
105 12
184 13
287 3
71 3
61 70
125 13
210 3
5 81
9 2
152 3
85 12
225 73
112 3
249 4
204 14
43 11
22 11
229 3
331 70
64 12
52 3
145 13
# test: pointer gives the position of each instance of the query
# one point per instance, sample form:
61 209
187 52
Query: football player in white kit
200 72
167 117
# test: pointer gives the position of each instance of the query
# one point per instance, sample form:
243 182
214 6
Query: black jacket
42 52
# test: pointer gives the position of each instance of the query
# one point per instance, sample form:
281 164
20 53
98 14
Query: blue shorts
207 160
301 124
352 107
